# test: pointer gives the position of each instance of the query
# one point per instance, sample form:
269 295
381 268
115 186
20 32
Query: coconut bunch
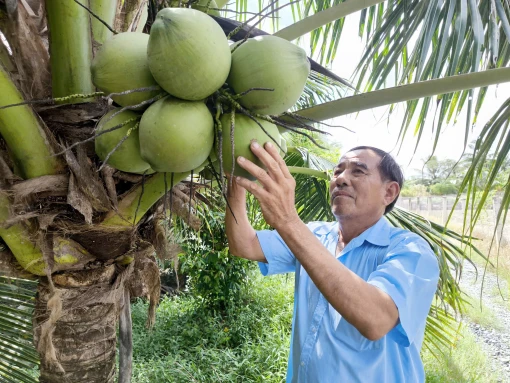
187 98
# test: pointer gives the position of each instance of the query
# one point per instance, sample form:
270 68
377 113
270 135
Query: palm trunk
75 328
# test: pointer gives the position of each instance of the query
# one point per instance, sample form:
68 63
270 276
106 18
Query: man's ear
392 192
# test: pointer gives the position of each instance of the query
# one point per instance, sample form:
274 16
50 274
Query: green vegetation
465 363
481 315
250 341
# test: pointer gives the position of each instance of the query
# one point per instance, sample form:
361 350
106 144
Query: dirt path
494 341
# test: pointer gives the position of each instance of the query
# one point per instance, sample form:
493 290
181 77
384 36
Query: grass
251 342
481 315
465 363
188 344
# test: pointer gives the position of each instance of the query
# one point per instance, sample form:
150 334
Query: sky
374 128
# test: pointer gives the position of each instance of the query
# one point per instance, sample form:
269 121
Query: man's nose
342 179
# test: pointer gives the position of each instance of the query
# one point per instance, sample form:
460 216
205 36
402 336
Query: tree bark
30 56
75 327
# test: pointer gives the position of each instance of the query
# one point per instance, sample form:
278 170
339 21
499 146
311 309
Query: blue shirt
325 348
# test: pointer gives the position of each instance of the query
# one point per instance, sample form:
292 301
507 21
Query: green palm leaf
17 353
488 163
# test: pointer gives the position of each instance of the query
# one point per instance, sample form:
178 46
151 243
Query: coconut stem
17 238
219 134
70 48
287 125
62 100
140 199
246 112
300 118
190 197
171 200
33 157
239 95
135 107
107 10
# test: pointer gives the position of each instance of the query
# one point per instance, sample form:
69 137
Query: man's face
356 188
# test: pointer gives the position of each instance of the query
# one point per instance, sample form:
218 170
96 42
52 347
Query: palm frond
17 354
312 193
441 330
488 163
320 89
423 40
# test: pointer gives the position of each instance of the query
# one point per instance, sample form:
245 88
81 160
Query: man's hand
277 186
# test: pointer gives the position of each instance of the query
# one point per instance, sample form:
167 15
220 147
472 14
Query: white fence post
443 215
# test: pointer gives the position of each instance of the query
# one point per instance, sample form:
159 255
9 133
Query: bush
414 191
443 188
247 343
214 275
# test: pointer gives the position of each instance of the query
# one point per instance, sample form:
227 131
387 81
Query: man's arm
242 238
366 307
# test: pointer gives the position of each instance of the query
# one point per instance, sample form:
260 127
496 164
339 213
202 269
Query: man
363 288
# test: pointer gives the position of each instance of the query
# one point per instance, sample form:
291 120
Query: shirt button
302 364
314 329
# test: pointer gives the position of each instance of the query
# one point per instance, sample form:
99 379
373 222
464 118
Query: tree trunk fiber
80 323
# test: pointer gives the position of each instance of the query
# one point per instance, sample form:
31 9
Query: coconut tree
90 235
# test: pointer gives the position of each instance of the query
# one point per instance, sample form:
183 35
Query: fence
438 209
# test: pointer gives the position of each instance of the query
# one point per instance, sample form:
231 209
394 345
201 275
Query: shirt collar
378 234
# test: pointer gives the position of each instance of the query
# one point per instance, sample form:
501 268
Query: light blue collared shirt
325 348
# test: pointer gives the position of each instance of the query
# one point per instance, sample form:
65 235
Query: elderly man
363 288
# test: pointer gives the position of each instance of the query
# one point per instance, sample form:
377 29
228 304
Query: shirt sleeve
408 274
278 255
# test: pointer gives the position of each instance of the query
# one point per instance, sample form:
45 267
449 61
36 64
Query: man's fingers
257 190
268 156
256 171
279 161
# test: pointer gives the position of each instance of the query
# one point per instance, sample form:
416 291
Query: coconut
208 172
127 156
120 65
245 130
188 53
201 5
268 62
176 135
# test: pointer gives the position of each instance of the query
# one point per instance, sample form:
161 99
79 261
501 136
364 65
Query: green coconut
208 6
176 135
245 130
127 157
269 62
188 53
120 65
208 172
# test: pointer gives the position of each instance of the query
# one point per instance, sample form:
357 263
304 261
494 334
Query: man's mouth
341 194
